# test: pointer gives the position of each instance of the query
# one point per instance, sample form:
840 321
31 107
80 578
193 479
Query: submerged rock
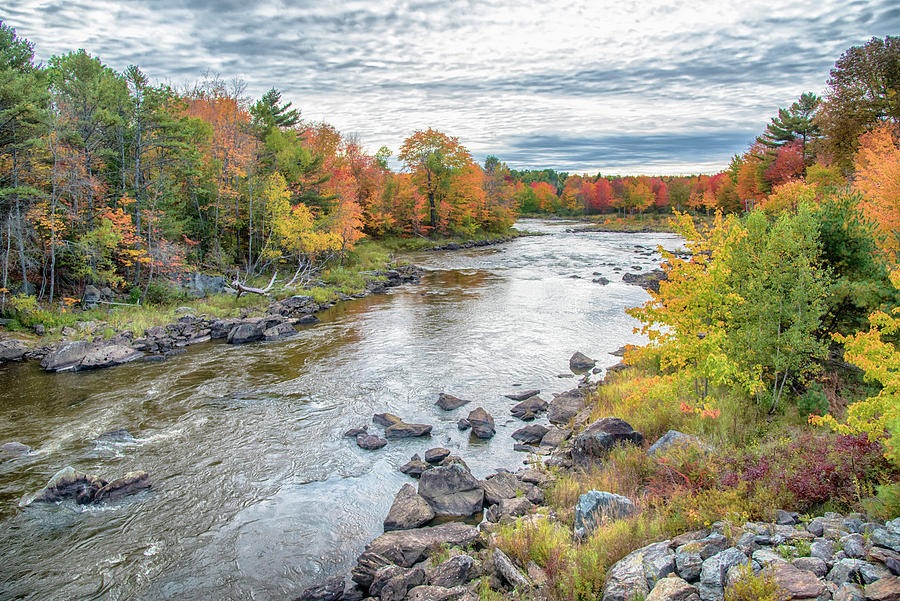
521 396
529 407
128 484
10 450
370 442
386 419
404 430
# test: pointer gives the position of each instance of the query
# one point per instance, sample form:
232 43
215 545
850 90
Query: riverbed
256 494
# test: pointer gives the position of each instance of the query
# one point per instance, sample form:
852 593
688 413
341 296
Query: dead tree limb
241 288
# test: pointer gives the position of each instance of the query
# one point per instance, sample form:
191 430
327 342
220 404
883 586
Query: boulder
854 546
11 450
201 285
279 332
404 430
436 455
521 396
463 425
510 573
595 441
117 435
386 419
638 572
885 589
370 442
499 486
91 297
128 484
393 582
354 432
529 407
809 564
580 363
672 438
673 588
530 434
81 354
555 436
414 467
594 507
515 507
849 592
67 483
456 571
648 281
795 583
408 547
438 593
330 590
246 332
449 402
409 510
12 350
565 406
451 491
482 423
714 571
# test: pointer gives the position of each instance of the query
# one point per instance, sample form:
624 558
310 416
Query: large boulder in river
386 419
448 402
279 331
409 510
451 490
481 422
648 281
128 484
530 434
408 547
521 396
12 350
369 442
245 332
566 406
11 450
82 354
597 440
67 483
580 363
404 430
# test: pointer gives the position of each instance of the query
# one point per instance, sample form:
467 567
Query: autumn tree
433 158
878 179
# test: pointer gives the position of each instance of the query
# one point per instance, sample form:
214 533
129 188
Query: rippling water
255 494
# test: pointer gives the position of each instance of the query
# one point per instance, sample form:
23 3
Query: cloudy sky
612 86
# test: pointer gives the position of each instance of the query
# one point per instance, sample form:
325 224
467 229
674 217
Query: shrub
752 587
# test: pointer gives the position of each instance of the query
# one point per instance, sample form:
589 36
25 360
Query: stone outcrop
482 423
451 491
596 441
409 510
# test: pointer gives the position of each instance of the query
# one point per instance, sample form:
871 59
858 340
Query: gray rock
670 439
854 546
81 355
408 547
714 571
626 579
12 350
91 297
515 507
463 425
404 430
893 526
794 583
565 406
11 450
117 435
847 570
533 434
766 557
673 588
810 564
414 467
849 592
580 363
67 483
521 396
370 442
529 407
409 510
330 590
354 432
823 549
451 491
499 486
449 402
595 441
394 586
482 423
201 285
883 538
688 564
386 419
438 593
129 484
436 455
279 331
886 589
455 571
555 436
788 518
246 332
594 507
510 573
659 562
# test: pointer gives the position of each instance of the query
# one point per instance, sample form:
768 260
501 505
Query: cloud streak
617 87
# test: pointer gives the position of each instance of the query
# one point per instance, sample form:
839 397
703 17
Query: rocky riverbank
442 535
93 350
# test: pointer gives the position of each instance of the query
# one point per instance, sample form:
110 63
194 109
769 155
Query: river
256 494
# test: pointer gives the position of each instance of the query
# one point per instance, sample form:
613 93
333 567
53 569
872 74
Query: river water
256 494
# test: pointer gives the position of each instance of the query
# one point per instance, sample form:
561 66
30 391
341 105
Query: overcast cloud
616 87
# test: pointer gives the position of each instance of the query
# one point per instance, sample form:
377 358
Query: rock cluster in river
83 488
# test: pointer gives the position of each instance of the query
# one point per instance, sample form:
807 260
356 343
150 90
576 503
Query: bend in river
256 494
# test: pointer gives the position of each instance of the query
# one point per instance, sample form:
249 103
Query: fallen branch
241 288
